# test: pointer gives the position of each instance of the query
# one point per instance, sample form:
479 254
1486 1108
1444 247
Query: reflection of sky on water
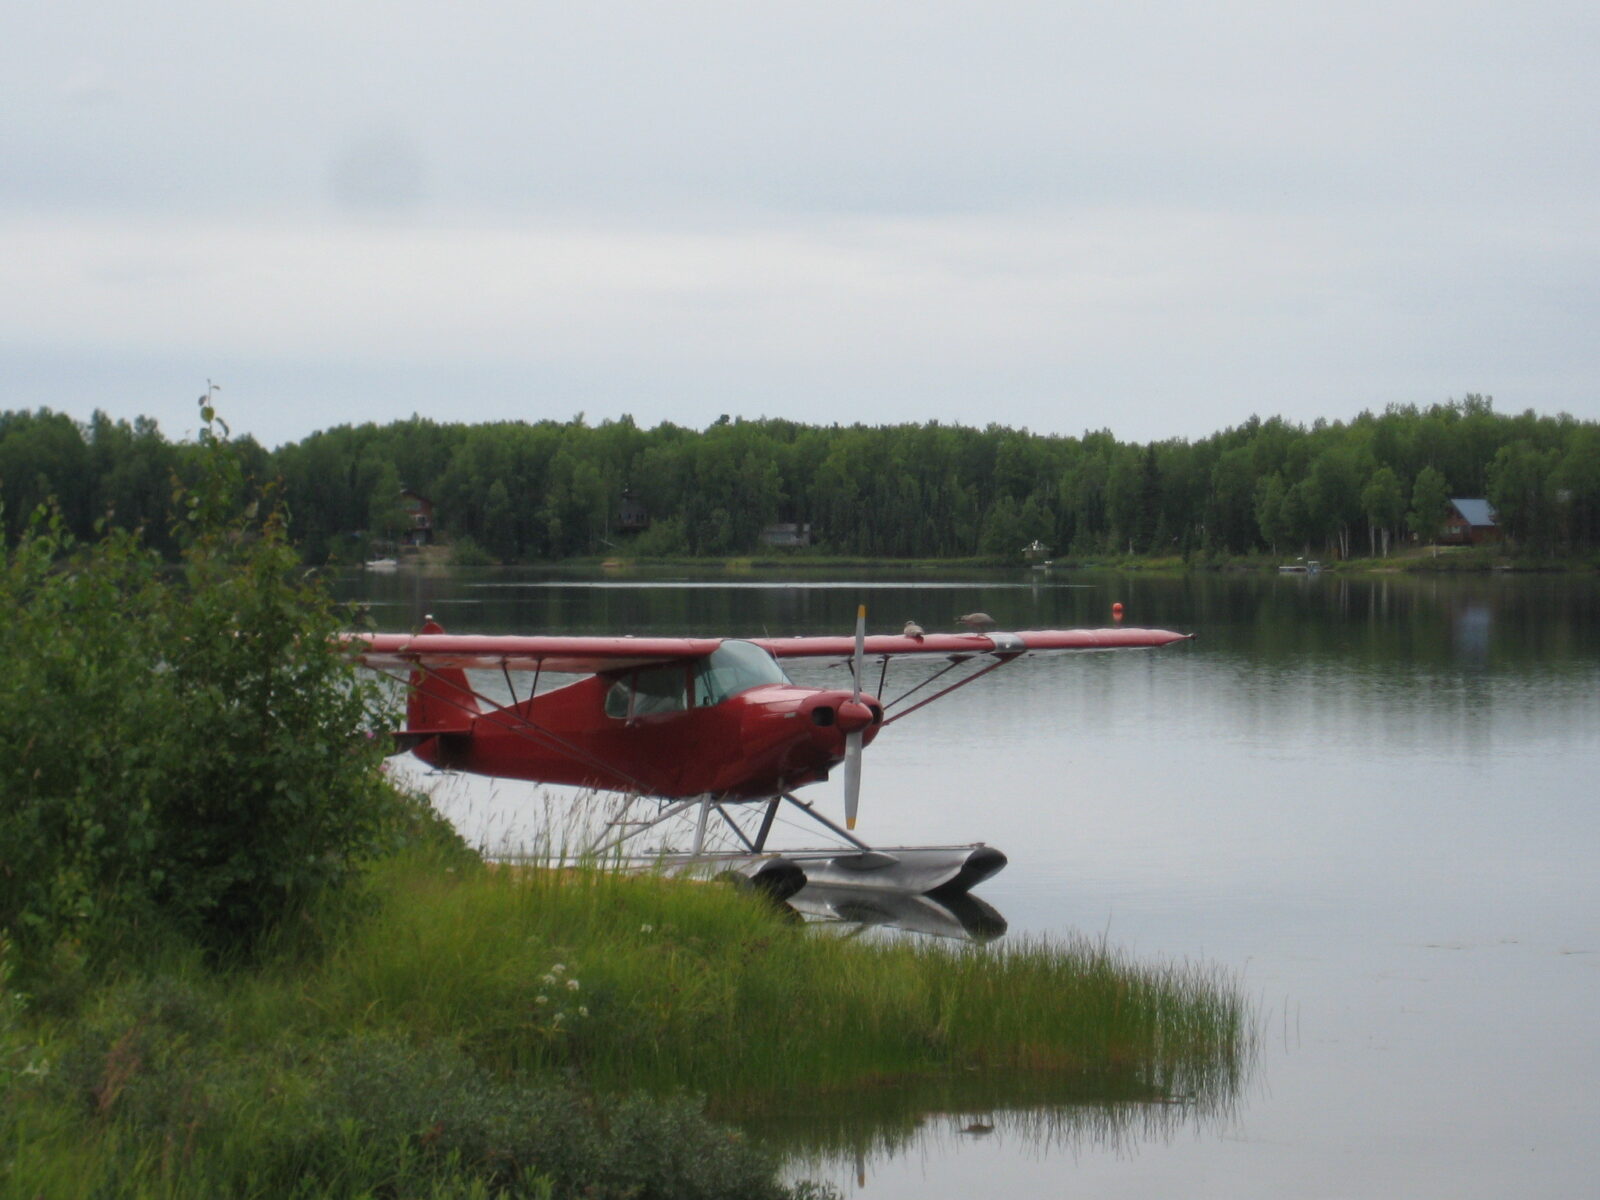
1371 799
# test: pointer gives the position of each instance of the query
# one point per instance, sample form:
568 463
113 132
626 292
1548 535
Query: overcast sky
1154 218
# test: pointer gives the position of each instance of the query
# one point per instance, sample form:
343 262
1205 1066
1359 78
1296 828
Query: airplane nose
853 715
840 714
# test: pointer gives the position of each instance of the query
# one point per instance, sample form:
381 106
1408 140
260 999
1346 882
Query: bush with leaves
185 752
151 1066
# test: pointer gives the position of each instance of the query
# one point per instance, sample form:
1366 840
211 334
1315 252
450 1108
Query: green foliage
551 489
1277 527
664 539
465 552
1430 503
167 1099
1383 502
1519 488
187 752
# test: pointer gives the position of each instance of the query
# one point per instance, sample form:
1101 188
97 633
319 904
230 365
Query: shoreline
1451 560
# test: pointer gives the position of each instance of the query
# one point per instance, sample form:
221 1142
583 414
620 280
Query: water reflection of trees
1037 1113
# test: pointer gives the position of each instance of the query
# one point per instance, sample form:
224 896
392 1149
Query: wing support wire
502 717
1000 661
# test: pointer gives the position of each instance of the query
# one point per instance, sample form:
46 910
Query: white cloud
1158 216
853 289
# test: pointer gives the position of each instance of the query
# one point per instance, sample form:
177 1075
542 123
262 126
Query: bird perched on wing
912 630
977 621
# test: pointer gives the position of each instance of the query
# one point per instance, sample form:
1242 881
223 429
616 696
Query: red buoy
1116 611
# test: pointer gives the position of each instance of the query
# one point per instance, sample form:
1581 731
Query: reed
532 1032
636 981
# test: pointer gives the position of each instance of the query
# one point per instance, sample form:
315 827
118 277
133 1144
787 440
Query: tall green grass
505 1032
639 981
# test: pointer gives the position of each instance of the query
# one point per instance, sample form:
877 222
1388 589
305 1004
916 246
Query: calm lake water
1371 802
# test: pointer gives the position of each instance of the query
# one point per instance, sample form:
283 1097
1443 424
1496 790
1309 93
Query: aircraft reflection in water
960 915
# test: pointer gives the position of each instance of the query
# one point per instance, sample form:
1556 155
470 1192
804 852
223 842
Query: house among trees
787 534
631 515
419 513
1469 522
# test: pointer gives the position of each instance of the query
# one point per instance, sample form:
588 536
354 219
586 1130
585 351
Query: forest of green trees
543 490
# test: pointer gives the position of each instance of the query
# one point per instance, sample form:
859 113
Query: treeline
103 474
550 490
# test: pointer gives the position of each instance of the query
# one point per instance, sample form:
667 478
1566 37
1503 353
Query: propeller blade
852 777
852 742
859 663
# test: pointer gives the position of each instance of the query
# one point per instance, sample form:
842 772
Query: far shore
1411 560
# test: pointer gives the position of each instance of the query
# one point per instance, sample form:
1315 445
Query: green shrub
151 1081
187 752
518 1135
465 552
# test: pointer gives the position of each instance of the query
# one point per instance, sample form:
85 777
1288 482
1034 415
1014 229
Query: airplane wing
592 655
561 655
946 644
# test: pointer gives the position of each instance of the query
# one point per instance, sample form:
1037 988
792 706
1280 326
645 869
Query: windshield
733 667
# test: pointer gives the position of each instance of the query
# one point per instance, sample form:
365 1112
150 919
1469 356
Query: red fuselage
755 743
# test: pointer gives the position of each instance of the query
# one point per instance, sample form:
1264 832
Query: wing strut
1000 661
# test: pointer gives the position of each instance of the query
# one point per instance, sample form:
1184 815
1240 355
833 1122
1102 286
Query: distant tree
1430 502
1519 489
1232 520
386 515
1270 516
1384 504
1301 518
1002 529
1337 473
1576 482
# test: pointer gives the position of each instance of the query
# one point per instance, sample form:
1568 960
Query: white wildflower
541 998
572 985
583 1010
548 979
647 929
558 968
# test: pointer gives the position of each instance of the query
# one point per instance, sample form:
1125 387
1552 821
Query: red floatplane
708 722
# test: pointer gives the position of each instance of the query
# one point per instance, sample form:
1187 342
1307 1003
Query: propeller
852 741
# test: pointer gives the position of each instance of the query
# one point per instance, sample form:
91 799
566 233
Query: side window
712 685
647 691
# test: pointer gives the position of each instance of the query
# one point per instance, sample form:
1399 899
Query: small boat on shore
1303 566
381 564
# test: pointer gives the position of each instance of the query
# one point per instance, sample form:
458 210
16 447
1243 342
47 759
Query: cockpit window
647 691
731 668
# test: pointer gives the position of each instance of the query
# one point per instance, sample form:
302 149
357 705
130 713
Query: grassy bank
639 981
483 1033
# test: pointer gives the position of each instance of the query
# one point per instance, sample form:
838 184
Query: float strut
823 821
700 825
766 825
